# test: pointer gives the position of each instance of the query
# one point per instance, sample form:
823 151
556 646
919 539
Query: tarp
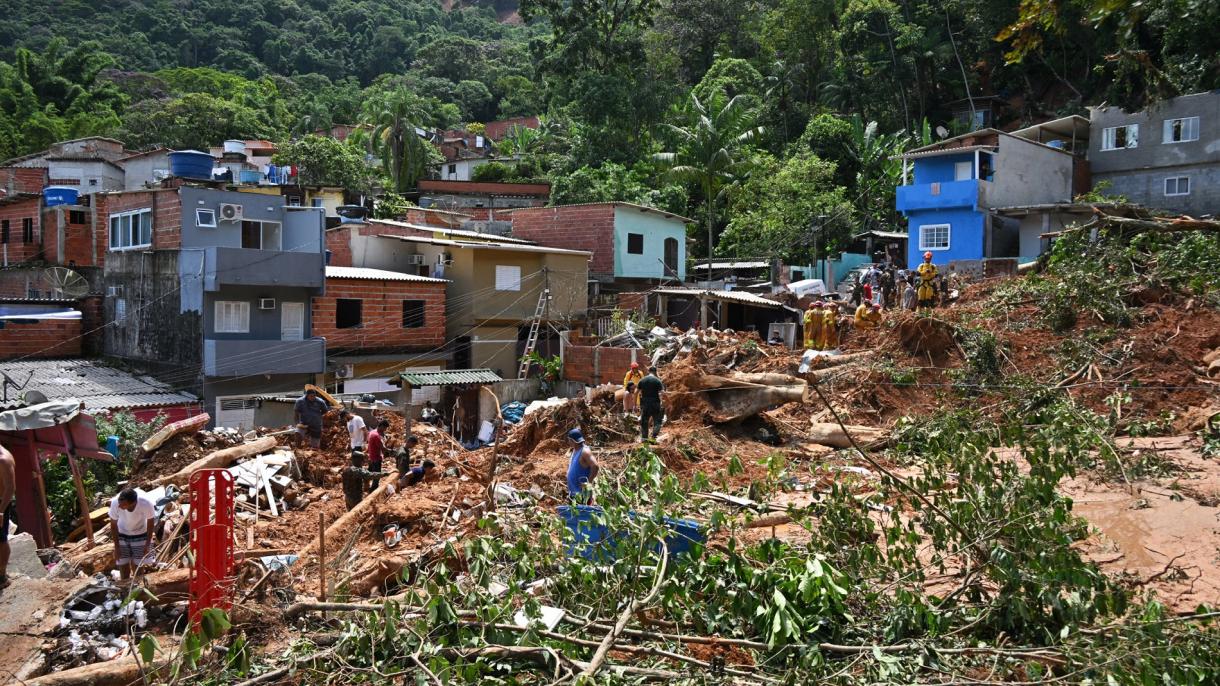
42 416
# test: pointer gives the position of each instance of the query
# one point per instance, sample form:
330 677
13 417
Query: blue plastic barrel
112 446
59 195
191 164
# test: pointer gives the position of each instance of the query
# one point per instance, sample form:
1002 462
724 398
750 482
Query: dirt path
29 608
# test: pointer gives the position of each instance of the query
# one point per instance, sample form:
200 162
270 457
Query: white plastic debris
549 617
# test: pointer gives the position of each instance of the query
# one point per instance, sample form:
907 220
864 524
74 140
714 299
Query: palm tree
709 150
395 116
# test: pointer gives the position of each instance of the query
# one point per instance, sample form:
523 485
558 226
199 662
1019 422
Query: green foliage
612 182
322 161
552 367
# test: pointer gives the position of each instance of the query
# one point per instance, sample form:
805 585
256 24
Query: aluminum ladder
531 341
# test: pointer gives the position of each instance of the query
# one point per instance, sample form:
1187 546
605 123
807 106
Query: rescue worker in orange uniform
813 326
830 327
926 293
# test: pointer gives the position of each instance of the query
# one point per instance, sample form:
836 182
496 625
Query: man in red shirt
375 447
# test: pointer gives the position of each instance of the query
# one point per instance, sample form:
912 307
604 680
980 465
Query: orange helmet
927 255
635 365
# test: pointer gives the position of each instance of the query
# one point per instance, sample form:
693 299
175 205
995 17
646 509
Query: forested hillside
754 115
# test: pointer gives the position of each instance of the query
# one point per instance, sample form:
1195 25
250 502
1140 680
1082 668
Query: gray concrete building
212 293
1166 157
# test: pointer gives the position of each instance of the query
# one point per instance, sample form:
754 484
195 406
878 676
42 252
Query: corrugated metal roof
452 377
98 386
487 245
727 296
939 152
460 233
376 275
748 264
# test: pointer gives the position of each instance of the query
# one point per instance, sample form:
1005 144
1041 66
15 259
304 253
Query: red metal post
211 521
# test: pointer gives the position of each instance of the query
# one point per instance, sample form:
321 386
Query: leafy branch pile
966 569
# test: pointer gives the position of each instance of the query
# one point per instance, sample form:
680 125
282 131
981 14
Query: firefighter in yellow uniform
830 321
631 392
868 316
926 293
813 326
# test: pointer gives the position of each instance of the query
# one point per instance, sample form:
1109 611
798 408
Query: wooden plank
275 511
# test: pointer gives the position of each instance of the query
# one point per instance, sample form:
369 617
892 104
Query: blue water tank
59 195
191 164
1058 145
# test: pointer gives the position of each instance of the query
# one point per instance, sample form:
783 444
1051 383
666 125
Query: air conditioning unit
344 372
231 212
415 259
266 303
114 291
445 259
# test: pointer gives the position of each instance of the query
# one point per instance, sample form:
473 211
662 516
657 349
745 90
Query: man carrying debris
132 522
308 412
651 388
813 326
630 392
926 293
356 429
582 468
355 476
8 502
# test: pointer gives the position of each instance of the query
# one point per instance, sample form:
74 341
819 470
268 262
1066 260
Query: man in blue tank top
582 468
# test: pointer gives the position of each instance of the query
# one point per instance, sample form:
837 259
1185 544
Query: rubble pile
97 621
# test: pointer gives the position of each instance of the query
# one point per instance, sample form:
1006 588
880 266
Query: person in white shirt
132 522
356 428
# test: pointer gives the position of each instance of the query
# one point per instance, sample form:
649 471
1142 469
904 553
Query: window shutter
508 277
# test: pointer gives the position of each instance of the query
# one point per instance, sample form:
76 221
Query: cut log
738 396
120 671
170 430
330 399
831 434
220 458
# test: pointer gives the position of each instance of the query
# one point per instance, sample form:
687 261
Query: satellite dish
63 283
33 397
942 132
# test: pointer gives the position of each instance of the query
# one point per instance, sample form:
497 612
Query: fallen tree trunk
120 671
832 435
220 458
335 530
738 396
170 430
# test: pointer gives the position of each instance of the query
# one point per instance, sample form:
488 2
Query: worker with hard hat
813 326
830 326
926 293
631 391
868 316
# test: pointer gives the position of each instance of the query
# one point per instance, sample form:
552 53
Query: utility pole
818 226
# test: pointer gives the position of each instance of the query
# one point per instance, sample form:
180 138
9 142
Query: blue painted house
953 190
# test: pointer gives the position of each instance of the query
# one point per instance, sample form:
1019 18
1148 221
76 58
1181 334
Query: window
92 182
256 235
412 314
934 237
508 277
963 171
232 316
1181 130
205 219
131 230
453 169
4 231
1119 137
347 313
294 201
27 230
77 217
1177 185
635 243
316 202
120 310
671 257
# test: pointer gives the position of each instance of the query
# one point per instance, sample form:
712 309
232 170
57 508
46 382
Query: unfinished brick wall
339 244
381 315
82 241
93 318
23 179
167 213
593 366
14 246
40 338
576 227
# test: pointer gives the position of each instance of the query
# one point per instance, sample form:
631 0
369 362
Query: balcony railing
946 194
240 357
245 267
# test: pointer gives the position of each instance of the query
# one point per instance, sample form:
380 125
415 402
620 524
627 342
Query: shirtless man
8 491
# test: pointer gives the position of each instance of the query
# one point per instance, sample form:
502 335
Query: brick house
210 290
20 228
377 322
632 245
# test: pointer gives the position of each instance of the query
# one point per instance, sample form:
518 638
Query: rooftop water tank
1058 145
235 146
191 164
352 214
59 195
